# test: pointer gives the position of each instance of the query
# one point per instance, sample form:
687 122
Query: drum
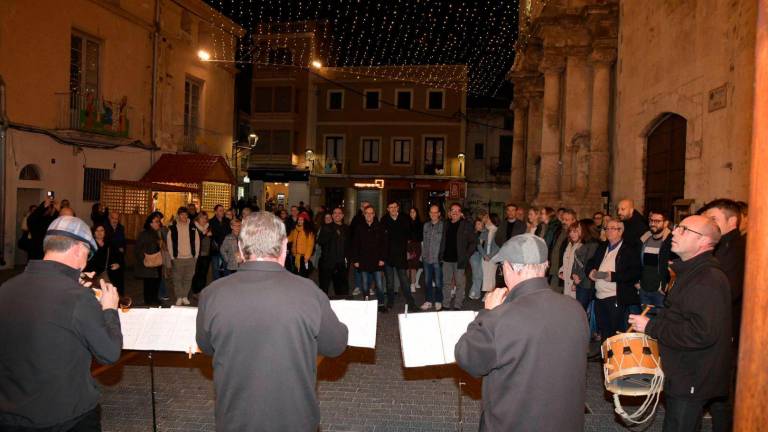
630 363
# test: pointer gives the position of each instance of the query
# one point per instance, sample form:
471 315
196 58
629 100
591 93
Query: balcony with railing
199 140
88 112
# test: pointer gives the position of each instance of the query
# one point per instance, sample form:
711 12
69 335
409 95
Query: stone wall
682 57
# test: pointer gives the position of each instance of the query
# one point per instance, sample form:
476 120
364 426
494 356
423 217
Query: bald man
635 224
694 331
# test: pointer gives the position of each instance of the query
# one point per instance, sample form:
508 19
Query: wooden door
665 164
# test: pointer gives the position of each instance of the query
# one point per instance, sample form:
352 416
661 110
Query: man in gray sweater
265 328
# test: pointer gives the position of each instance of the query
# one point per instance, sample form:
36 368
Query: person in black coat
635 224
334 241
38 222
115 237
398 230
694 330
615 268
369 252
148 243
510 227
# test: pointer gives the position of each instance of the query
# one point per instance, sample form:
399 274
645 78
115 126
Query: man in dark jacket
114 233
616 268
357 219
52 326
529 344
220 229
557 249
694 331
264 328
456 247
511 227
334 241
397 227
656 255
38 222
634 222
368 253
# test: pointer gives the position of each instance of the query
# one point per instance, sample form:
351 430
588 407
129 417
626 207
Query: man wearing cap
529 344
52 326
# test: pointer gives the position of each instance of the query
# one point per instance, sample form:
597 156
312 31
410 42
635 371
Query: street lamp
252 140
317 64
246 179
461 157
203 55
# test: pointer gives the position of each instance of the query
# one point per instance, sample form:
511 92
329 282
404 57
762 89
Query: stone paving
362 390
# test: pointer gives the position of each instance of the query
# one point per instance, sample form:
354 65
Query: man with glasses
694 331
616 269
657 243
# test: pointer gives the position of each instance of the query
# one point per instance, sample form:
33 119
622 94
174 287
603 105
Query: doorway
373 196
665 164
404 198
275 195
24 199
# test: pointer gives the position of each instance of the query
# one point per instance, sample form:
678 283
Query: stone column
533 144
599 158
517 177
551 133
575 155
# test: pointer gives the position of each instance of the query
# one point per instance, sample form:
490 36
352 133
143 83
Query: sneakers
438 306
426 306
179 301
356 291
474 297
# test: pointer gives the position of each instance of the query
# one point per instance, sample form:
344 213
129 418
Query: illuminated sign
377 184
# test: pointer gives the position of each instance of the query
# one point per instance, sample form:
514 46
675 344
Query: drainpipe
155 67
3 192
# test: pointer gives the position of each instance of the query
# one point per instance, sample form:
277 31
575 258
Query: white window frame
328 99
198 123
363 139
426 103
403 90
365 99
410 151
83 61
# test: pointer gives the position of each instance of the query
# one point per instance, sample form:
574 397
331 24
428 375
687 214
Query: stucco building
646 100
103 90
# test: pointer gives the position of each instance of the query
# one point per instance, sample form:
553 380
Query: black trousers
117 278
339 274
610 316
151 287
200 279
682 414
88 422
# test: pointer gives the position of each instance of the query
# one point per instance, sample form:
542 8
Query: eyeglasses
656 221
684 229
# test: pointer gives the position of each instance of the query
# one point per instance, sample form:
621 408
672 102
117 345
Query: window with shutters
371 150
401 151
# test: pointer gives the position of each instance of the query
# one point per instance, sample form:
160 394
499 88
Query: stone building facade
647 100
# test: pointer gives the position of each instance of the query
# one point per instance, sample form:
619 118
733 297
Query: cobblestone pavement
362 390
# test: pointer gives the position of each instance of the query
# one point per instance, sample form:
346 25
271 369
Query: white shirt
567 268
605 289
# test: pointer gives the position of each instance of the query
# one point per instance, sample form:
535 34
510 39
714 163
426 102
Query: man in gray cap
530 345
52 327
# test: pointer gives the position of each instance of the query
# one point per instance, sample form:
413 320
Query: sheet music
157 329
430 338
360 318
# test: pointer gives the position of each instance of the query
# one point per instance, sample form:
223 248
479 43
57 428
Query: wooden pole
752 383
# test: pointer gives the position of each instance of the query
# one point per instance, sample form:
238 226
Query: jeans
609 316
655 299
451 271
682 414
476 262
200 279
404 287
433 278
378 277
183 272
584 296
217 263
359 279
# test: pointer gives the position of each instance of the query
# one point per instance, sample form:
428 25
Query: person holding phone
38 222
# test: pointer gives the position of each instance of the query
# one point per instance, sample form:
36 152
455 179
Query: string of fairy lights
361 37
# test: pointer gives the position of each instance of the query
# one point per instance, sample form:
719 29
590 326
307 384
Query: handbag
153 260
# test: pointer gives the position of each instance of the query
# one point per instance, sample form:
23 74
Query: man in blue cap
52 327
530 346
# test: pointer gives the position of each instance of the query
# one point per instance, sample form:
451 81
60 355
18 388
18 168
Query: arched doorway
665 164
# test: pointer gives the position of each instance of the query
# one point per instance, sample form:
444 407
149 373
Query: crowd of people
556 279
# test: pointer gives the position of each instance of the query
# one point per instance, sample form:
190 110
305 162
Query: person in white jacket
183 243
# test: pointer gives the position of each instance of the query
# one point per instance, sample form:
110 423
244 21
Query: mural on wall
101 116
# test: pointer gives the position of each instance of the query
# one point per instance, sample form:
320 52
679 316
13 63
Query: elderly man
456 247
52 327
694 331
264 327
529 344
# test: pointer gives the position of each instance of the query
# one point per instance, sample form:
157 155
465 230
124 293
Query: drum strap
651 401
